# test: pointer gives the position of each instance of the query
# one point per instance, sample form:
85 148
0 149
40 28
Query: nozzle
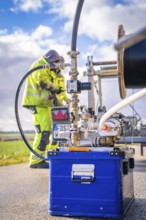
55 65
62 65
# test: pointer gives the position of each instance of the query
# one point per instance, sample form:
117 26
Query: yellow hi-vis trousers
43 124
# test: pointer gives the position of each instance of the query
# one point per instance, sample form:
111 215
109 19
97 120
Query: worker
41 85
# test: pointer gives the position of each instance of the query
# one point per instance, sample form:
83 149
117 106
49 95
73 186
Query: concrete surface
24 194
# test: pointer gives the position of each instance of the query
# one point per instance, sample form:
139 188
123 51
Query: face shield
53 57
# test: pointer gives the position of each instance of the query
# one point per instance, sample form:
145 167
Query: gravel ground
24 194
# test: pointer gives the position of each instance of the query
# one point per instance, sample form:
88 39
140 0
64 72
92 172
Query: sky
29 28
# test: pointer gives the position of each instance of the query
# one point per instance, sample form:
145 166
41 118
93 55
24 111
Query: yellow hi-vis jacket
34 94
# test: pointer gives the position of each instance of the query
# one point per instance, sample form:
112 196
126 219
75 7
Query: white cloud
98 20
27 5
3 31
63 8
100 52
101 22
20 43
42 32
31 45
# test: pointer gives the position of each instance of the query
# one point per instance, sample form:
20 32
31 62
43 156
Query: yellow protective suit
36 93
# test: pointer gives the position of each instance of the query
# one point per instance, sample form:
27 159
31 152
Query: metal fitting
74 100
73 54
74 97
73 74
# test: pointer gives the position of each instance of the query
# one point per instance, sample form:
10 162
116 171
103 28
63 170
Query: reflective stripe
36 95
32 94
34 159
30 87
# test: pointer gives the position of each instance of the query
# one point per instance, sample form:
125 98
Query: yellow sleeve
43 75
61 83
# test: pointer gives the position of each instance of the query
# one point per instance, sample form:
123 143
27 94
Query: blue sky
29 28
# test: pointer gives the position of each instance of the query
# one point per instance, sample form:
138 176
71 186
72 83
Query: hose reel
131 65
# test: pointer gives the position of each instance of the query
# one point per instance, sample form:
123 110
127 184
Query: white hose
120 105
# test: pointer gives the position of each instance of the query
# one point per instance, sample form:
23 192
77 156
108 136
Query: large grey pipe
131 39
75 25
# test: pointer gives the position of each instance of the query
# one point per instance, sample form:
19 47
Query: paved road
24 194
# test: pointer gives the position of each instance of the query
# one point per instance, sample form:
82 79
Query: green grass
12 152
7 136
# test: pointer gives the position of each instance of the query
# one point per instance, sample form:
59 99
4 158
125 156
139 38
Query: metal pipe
107 73
91 98
99 91
90 74
104 63
108 68
74 73
129 40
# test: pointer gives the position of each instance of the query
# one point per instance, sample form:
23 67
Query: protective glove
56 91
59 90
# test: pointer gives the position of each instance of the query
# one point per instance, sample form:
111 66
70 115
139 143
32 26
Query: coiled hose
17 111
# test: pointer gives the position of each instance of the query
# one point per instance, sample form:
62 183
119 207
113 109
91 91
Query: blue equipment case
98 183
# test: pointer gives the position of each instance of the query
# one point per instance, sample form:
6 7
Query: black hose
17 112
75 25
